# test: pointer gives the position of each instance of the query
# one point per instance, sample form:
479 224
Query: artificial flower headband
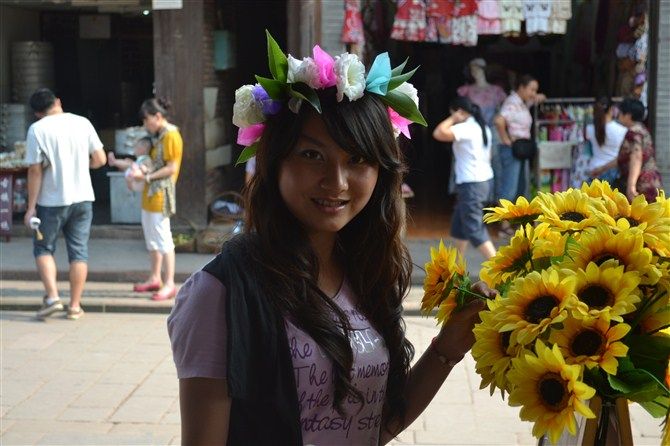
294 81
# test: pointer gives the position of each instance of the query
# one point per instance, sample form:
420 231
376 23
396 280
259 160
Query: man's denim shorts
74 220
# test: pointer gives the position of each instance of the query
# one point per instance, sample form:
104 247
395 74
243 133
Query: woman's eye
310 154
357 159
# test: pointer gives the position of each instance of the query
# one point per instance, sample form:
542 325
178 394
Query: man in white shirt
61 148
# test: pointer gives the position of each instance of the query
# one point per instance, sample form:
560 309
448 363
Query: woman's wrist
447 358
147 178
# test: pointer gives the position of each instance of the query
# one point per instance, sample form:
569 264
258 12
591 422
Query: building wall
16 24
662 119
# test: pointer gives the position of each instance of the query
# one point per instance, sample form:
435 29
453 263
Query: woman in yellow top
158 197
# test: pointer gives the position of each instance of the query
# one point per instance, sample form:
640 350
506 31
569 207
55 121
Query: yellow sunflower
520 212
606 292
549 391
511 261
535 302
650 219
547 242
446 267
591 343
663 202
657 317
573 211
600 189
491 350
602 246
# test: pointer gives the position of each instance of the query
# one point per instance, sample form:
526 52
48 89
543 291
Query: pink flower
325 64
249 135
400 124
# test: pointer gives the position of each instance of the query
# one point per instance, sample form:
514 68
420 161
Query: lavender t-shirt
197 328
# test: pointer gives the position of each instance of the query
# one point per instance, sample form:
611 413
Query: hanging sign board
166 4
555 154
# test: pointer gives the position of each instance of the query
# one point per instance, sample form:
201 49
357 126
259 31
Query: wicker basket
227 207
185 240
210 239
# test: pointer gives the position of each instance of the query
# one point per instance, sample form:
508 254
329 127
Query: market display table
8 180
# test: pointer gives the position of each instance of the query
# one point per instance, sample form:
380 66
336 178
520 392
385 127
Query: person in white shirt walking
606 136
471 139
61 148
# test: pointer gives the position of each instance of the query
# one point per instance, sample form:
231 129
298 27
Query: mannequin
488 97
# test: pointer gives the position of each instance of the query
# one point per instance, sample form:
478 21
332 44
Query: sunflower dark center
596 297
504 340
632 222
553 392
572 216
540 308
587 342
519 262
604 257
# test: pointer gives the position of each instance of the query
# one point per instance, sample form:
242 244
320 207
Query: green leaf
246 154
303 91
276 59
658 407
396 81
398 70
404 106
636 385
275 89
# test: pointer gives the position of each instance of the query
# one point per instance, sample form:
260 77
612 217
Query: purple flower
269 106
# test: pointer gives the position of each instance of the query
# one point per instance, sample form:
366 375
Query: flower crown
295 81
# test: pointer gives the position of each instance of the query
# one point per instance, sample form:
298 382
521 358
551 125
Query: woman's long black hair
600 110
465 104
362 128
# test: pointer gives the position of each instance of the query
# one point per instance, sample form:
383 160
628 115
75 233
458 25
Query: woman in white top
472 150
606 136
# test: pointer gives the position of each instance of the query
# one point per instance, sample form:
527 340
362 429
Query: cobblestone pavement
109 379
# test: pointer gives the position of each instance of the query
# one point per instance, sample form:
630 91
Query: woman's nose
335 178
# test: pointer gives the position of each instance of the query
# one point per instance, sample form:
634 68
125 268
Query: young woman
514 122
158 198
294 333
606 136
472 150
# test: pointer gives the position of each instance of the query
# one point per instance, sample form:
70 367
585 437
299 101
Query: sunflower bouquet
583 308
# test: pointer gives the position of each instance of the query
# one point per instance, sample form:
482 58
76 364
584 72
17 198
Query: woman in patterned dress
637 157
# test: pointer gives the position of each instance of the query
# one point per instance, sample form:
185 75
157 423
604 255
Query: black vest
260 375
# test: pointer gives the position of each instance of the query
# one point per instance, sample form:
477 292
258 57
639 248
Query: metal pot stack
14 122
32 68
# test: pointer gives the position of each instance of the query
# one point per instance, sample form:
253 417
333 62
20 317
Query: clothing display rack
563 152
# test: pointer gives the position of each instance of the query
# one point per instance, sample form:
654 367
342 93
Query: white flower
304 70
350 74
409 90
246 111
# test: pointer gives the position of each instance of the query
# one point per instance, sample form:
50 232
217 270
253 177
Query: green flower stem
658 329
473 294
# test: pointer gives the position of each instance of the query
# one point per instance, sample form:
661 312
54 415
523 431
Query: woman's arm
169 169
428 374
205 411
605 167
443 130
501 126
634 169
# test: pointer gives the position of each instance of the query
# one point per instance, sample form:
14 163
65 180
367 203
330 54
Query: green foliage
277 60
396 81
303 91
247 153
277 90
404 106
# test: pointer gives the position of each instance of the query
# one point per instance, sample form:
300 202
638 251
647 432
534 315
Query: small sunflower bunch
583 306
447 284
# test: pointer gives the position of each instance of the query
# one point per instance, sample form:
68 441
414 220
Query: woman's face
529 91
626 119
153 123
322 185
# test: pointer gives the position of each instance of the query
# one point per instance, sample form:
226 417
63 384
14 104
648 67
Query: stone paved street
109 379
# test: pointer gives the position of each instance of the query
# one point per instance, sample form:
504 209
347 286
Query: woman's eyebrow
312 140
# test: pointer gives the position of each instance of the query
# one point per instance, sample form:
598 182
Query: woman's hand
631 193
456 337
